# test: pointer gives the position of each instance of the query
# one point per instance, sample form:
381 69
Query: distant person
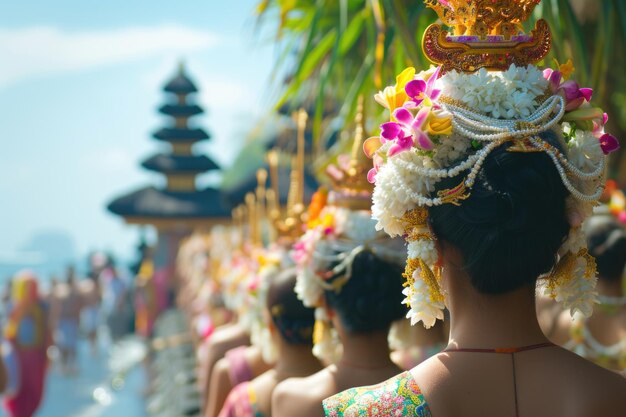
54 285
6 298
28 336
90 315
65 312
114 303
149 299
601 338
291 327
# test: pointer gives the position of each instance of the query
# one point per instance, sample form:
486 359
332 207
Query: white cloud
36 51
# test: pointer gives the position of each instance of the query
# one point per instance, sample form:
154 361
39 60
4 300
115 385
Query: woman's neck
295 360
493 321
365 350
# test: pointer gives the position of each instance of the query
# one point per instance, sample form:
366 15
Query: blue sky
80 83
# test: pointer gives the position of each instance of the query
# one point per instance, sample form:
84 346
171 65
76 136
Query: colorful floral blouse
398 396
241 402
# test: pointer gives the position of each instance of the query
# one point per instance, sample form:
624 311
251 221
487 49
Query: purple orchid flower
608 143
420 91
598 128
406 132
570 90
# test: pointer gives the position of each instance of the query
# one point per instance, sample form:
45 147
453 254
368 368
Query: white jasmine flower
329 347
511 94
307 288
421 307
584 151
424 250
578 293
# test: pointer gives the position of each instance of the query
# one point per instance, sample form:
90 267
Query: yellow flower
326 221
439 124
566 69
393 97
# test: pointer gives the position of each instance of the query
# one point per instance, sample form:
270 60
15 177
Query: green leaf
347 109
575 33
352 33
314 58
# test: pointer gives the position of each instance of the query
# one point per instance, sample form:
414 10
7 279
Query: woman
241 356
362 298
492 248
291 327
28 335
65 311
489 176
602 337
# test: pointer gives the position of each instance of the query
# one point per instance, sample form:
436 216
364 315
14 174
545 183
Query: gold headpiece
352 190
291 225
261 205
487 34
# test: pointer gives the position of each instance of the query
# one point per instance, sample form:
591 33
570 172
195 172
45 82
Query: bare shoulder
559 382
601 391
263 386
226 333
220 371
224 339
303 397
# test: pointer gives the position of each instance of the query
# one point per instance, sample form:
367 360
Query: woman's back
548 381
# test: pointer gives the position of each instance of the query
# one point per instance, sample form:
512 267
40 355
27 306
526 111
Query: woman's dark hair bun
372 298
293 320
513 223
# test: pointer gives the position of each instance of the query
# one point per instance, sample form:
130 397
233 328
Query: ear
267 317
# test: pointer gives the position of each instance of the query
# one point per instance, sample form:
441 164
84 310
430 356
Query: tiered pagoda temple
180 207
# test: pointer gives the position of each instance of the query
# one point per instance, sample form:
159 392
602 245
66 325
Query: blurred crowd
43 322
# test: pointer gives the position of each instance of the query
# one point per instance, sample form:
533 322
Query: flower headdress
254 265
339 227
445 121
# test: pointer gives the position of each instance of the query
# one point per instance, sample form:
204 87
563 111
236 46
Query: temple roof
151 202
180 110
180 84
174 134
177 163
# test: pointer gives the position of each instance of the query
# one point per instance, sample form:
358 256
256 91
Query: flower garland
443 125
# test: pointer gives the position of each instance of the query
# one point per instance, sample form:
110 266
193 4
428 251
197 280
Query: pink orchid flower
370 149
598 127
420 91
337 171
573 94
608 142
407 131
371 174
299 253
